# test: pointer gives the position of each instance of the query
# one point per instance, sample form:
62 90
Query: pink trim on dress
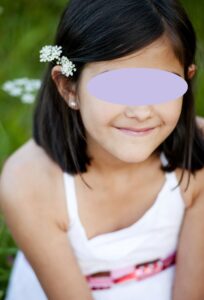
107 279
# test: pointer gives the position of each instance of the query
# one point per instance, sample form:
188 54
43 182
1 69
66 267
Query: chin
134 157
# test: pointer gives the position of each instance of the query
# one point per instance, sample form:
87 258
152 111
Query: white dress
153 236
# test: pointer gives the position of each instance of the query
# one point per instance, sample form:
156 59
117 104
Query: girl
96 212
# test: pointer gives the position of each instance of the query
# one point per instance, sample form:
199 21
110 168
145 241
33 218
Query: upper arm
189 277
32 224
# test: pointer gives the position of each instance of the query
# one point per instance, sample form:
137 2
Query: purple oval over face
137 86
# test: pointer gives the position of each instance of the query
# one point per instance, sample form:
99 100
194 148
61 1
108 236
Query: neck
113 172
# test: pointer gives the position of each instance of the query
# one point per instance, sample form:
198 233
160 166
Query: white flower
23 87
50 53
21 81
15 91
7 86
67 66
28 98
36 83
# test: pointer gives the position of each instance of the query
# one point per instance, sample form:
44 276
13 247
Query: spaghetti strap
163 159
70 197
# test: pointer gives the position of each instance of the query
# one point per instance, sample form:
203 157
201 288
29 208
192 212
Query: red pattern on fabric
142 271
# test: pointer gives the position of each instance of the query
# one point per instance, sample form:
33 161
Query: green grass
26 26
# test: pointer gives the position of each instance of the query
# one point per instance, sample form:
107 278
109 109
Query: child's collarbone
120 211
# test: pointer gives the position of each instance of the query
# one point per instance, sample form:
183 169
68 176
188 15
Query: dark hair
91 31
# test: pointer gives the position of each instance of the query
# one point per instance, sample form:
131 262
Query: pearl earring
72 104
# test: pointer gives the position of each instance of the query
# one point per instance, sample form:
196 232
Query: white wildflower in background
23 87
28 98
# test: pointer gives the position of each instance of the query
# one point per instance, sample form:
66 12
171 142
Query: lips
135 129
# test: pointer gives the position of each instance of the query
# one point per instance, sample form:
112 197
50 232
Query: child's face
109 146
101 118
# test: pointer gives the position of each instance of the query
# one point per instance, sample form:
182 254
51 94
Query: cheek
97 116
96 113
171 111
100 113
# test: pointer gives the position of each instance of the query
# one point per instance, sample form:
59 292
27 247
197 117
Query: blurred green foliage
26 26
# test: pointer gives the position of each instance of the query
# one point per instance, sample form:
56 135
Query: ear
65 87
191 71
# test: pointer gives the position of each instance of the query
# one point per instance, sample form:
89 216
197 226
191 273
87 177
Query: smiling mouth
136 133
136 129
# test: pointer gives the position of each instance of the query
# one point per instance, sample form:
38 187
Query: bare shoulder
29 170
199 186
28 154
30 190
186 193
194 183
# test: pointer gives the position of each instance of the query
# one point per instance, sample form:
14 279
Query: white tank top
153 236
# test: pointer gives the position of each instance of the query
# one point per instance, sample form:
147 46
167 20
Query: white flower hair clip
50 53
